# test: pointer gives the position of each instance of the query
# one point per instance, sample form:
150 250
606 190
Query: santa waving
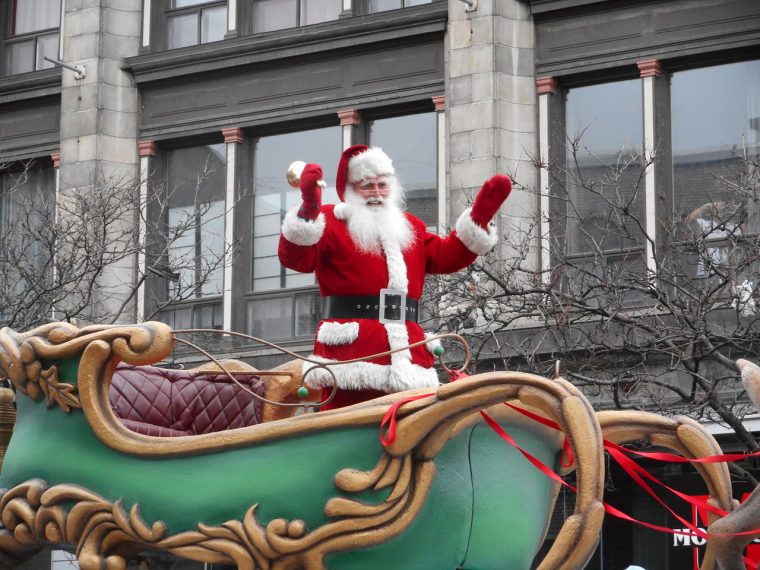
370 259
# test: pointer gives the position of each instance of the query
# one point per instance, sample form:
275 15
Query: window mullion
233 137
657 157
198 280
546 87
232 9
647 79
146 23
199 26
283 211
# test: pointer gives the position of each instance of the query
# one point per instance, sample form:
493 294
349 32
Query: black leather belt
387 307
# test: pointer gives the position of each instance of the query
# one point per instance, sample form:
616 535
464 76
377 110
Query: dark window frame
157 283
216 303
663 164
293 294
244 22
162 12
15 168
249 295
404 4
7 39
250 24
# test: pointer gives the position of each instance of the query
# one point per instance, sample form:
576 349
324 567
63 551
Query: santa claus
370 259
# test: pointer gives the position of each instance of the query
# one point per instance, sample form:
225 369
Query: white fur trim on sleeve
432 344
337 334
475 238
302 232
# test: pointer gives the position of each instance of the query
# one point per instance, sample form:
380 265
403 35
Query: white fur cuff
432 344
475 238
369 376
337 334
302 232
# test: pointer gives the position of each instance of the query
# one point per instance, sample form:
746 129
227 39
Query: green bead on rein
438 351
303 392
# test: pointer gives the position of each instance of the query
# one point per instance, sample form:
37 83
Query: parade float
115 456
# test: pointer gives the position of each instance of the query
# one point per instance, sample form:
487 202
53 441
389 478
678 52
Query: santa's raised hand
311 192
490 198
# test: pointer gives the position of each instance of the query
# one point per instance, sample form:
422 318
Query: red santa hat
358 163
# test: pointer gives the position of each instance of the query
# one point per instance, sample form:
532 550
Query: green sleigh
309 491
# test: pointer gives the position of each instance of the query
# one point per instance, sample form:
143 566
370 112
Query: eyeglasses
373 187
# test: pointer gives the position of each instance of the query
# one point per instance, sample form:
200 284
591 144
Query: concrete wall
99 118
491 107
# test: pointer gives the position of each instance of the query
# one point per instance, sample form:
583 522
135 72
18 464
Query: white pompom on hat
361 163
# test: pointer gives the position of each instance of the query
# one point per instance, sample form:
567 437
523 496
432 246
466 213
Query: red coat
325 247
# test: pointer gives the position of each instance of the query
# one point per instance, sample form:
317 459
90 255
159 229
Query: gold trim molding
22 355
106 535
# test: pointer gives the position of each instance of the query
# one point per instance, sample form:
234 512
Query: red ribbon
389 419
620 454
636 472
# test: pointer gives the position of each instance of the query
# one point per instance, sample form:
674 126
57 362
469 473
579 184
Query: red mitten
311 192
490 198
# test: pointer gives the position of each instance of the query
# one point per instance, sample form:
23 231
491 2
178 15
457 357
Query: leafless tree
661 335
56 252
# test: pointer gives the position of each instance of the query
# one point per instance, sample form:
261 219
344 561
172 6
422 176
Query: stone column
234 138
147 150
658 175
99 125
491 107
439 102
546 88
56 158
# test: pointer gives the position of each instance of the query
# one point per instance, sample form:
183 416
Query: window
270 15
605 194
27 216
27 203
383 5
410 141
193 315
193 22
194 218
703 183
602 209
294 313
716 139
32 34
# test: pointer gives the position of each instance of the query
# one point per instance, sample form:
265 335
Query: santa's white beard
370 226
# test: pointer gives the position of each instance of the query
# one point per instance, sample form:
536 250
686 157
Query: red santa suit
345 272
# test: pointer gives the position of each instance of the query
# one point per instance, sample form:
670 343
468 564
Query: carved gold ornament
22 355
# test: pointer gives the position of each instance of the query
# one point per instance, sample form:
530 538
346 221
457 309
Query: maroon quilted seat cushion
167 403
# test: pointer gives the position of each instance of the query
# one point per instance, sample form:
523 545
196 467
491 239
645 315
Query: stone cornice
30 85
544 6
